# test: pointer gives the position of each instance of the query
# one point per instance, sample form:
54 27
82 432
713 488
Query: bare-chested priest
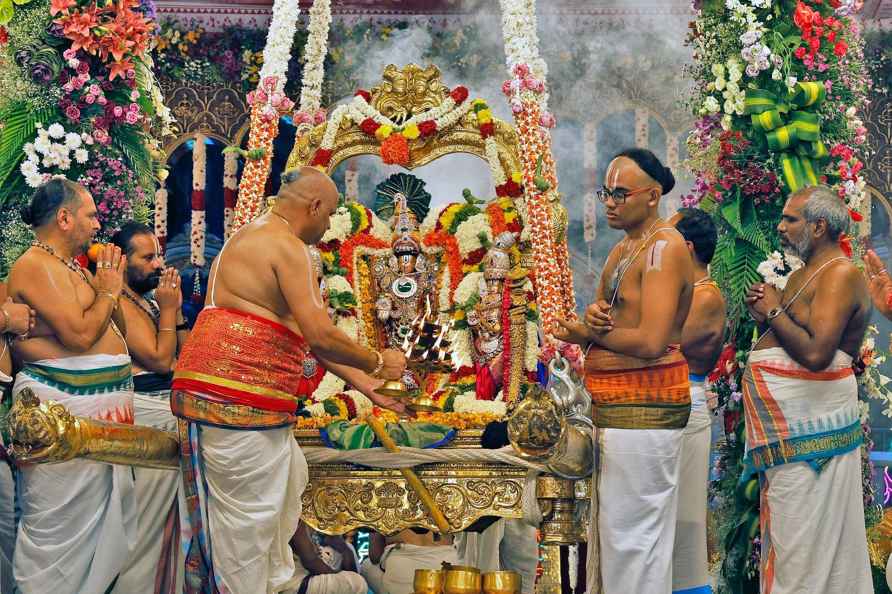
638 379
77 525
800 398
237 388
701 344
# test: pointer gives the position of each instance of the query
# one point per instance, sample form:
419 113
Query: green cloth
344 436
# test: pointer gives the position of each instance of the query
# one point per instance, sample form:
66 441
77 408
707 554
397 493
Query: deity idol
405 281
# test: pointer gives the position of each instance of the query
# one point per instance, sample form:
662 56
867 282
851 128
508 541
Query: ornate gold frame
402 93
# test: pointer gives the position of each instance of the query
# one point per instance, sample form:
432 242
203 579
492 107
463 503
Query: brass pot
424 403
462 580
428 581
501 582
393 389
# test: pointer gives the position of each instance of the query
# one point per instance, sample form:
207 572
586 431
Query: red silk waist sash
236 359
632 393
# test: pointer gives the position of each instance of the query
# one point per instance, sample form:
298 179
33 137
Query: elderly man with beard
77 526
155 331
800 399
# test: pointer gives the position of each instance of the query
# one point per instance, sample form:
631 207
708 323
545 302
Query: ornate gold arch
401 94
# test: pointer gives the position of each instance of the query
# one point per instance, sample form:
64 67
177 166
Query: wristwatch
773 313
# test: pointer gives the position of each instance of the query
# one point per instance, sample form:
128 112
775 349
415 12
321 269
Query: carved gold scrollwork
214 110
408 91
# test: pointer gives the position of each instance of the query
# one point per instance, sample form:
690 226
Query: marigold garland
256 171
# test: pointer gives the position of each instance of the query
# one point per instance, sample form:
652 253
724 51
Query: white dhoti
804 439
155 567
78 523
7 526
395 574
507 545
690 568
637 490
251 506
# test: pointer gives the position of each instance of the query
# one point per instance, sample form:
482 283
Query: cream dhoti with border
78 525
804 439
155 567
690 566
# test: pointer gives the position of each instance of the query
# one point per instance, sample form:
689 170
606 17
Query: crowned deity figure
485 319
405 281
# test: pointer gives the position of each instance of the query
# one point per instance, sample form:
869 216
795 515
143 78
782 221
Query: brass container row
459 579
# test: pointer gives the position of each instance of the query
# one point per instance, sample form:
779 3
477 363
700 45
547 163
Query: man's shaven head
314 195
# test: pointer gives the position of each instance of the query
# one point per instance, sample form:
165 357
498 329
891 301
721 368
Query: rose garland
267 103
161 216
310 111
230 191
394 138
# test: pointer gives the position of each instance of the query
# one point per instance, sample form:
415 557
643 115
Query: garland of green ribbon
797 141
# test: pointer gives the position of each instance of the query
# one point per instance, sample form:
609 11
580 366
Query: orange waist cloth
236 359
632 393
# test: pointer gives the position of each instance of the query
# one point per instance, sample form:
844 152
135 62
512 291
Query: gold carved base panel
343 497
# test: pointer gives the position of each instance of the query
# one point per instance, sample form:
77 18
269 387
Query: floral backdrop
78 98
780 86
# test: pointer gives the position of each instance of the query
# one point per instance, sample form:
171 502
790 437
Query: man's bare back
245 275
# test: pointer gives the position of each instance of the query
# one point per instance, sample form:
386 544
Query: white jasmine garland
316 410
277 52
338 283
380 229
774 269
349 326
467 288
341 226
430 221
361 402
328 387
199 179
314 56
462 344
161 212
468 403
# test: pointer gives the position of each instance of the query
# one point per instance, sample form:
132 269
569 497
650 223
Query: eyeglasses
619 195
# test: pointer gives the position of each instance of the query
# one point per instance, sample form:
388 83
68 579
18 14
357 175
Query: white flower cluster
349 326
776 270
380 229
430 221
468 234
230 182
727 82
361 402
277 52
338 284
53 148
341 225
468 403
491 149
467 288
520 32
328 387
314 56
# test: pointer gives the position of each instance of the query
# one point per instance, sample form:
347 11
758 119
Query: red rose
831 36
500 191
800 52
4 36
814 44
83 68
840 49
364 94
855 216
369 126
321 158
512 189
427 127
487 130
459 94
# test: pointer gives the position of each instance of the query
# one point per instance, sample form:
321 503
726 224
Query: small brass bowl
501 582
423 404
393 389
428 581
462 580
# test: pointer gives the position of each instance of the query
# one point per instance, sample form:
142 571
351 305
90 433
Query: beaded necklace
152 310
69 263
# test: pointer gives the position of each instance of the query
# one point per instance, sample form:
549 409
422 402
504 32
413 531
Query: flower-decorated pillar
310 111
197 236
528 97
267 103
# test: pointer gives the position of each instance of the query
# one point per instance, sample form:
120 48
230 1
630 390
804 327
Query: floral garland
230 191
394 138
777 269
520 32
504 185
160 220
199 178
267 102
314 57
